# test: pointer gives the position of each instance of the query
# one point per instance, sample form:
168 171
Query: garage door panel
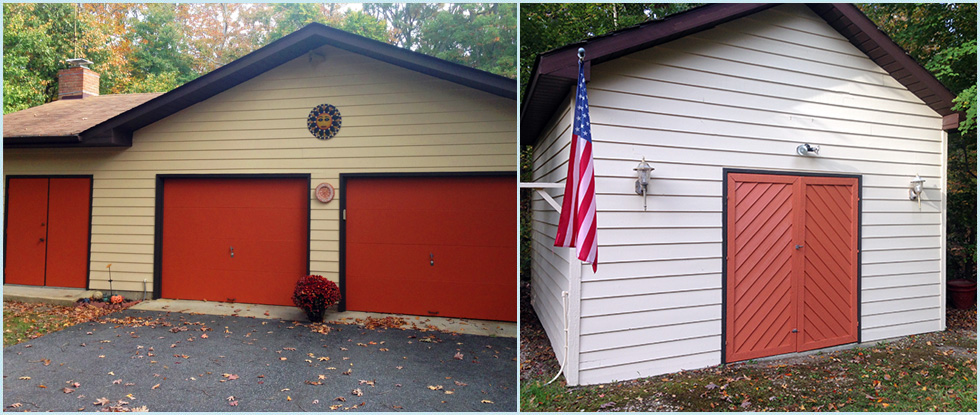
27 206
468 226
263 222
68 229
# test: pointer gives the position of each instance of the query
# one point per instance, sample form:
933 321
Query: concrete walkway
68 296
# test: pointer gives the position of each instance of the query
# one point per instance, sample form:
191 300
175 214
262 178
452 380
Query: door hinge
344 214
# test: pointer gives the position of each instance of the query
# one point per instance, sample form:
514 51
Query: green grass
26 321
932 372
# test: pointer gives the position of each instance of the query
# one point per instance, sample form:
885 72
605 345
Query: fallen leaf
101 401
458 356
117 381
25 378
357 392
348 371
288 398
458 383
365 382
449 392
486 401
316 401
341 399
233 403
155 386
230 376
435 388
204 336
16 405
335 407
282 358
67 390
323 359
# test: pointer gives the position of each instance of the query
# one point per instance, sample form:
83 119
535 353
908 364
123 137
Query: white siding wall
744 95
554 270
394 120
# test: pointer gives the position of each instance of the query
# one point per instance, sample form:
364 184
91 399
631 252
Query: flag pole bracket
540 188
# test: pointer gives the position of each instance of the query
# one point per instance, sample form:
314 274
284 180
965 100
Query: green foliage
406 19
478 35
160 49
363 24
37 38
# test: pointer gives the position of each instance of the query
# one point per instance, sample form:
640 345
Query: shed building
213 190
754 243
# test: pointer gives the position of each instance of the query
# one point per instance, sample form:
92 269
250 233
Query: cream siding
394 120
744 95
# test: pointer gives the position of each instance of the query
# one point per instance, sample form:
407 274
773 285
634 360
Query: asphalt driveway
182 362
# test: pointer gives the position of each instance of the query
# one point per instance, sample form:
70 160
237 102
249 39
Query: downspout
564 359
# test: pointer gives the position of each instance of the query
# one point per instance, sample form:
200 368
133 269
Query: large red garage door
440 246
243 240
47 231
792 264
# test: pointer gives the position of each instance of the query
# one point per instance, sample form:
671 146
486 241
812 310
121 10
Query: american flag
577 224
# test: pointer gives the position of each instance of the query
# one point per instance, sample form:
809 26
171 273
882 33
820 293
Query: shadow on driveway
180 362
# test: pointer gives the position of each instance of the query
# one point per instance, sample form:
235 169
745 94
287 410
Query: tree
363 24
478 35
406 19
160 58
943 38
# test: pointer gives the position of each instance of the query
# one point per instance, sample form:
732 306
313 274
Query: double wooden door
46 237
791 264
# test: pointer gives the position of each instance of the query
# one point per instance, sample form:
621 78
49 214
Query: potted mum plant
314 294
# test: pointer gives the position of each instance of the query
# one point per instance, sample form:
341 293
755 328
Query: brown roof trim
554 72
281 51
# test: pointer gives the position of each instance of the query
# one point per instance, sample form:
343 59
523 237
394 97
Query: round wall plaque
324 121
324 192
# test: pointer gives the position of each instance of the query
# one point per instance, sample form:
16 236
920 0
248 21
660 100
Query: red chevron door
829 297
791 274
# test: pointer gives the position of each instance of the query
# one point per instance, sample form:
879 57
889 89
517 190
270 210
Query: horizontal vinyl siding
550 266
394 120
744 95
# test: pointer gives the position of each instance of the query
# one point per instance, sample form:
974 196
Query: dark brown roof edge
554 72
287 48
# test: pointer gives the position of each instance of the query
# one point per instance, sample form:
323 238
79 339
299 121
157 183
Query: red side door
47 234
439 246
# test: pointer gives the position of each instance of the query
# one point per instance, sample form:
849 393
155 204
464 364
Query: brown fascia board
846 18
285 49
111 138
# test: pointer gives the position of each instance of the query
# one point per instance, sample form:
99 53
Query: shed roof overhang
117 131
554 73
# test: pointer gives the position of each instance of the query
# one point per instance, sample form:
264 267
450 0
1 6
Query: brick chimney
78 81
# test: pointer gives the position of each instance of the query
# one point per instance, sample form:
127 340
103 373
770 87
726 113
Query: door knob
42 240
232 249
799 246
432 259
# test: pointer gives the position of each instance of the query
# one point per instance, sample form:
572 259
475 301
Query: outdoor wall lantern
807 150
643 179
915 189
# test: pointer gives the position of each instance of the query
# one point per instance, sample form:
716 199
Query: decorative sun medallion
324 192
324 121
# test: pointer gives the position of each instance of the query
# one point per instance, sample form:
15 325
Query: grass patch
929 372
27 321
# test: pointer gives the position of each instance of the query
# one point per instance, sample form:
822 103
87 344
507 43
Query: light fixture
643 179
915 190
807 150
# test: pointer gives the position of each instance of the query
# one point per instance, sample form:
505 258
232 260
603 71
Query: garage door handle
799 246
42 240
232 249
432 259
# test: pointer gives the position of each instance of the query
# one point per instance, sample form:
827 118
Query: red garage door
792 267
440 246
242 240
47 231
